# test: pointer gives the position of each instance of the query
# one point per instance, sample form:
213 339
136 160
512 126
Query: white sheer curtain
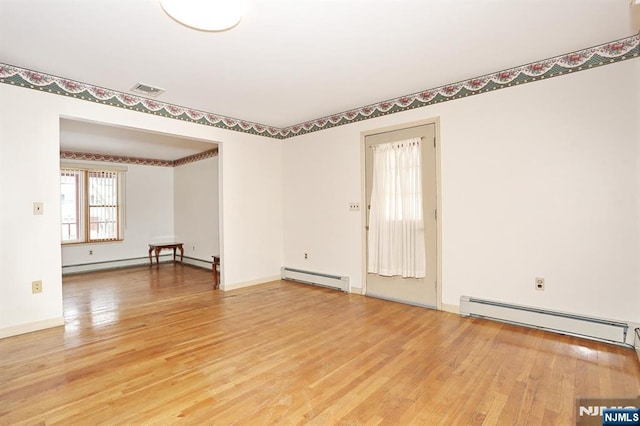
396 224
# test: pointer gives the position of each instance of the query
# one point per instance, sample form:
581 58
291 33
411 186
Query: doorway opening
169 192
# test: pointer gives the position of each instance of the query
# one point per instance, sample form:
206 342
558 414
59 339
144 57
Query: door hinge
435 214
434 141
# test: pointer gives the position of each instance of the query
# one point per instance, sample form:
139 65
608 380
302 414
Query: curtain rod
373 146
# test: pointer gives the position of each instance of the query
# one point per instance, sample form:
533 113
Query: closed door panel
417 291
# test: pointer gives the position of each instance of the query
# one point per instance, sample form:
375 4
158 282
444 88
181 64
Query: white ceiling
289 61
94 138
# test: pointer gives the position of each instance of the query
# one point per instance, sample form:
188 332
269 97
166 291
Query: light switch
38 208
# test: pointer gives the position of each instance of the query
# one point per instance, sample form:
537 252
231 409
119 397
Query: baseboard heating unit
559 322
325 280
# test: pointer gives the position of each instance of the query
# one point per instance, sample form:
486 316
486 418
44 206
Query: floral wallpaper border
85 156
196 157
603 54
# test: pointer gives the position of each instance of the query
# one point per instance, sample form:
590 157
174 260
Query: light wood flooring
159 346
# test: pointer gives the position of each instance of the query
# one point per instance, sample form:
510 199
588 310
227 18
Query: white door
416 291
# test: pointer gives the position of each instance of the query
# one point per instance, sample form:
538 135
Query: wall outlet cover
38 208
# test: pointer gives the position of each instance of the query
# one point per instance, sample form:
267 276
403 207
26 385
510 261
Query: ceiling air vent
147 90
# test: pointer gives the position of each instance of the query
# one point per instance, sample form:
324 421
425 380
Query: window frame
84 204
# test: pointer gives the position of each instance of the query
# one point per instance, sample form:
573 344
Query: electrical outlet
38 208
539 284
36 287
90 252
306 256
354 206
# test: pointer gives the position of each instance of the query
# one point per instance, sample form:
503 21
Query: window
396 240
92 203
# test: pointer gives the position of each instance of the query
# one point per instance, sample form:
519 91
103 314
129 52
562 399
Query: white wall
195 195
252 190
321 177
30 249
538 180
251 173
149 217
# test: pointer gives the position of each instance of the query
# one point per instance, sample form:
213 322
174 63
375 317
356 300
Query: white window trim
83 238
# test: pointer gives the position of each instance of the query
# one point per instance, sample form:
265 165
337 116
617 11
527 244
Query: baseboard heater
559 322
324 280
111 264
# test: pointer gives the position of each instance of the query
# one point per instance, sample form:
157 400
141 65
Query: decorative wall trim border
196 157
85 156
70 155
604 54
61 86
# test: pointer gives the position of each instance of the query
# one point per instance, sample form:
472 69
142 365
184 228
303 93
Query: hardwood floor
159 346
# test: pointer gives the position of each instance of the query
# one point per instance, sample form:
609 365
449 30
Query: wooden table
216 263
158 247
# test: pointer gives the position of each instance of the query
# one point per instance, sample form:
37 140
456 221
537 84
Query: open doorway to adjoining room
124 188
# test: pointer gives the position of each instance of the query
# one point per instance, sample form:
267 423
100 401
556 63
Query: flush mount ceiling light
206 15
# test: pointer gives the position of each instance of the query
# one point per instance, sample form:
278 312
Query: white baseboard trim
30 327
234 286
355 290
454 309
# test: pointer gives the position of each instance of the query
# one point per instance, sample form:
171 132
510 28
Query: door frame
363 200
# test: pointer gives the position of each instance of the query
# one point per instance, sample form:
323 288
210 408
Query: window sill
80 243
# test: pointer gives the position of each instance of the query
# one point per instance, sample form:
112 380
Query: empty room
320 212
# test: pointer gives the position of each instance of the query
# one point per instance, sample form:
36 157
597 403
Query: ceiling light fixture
206 15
